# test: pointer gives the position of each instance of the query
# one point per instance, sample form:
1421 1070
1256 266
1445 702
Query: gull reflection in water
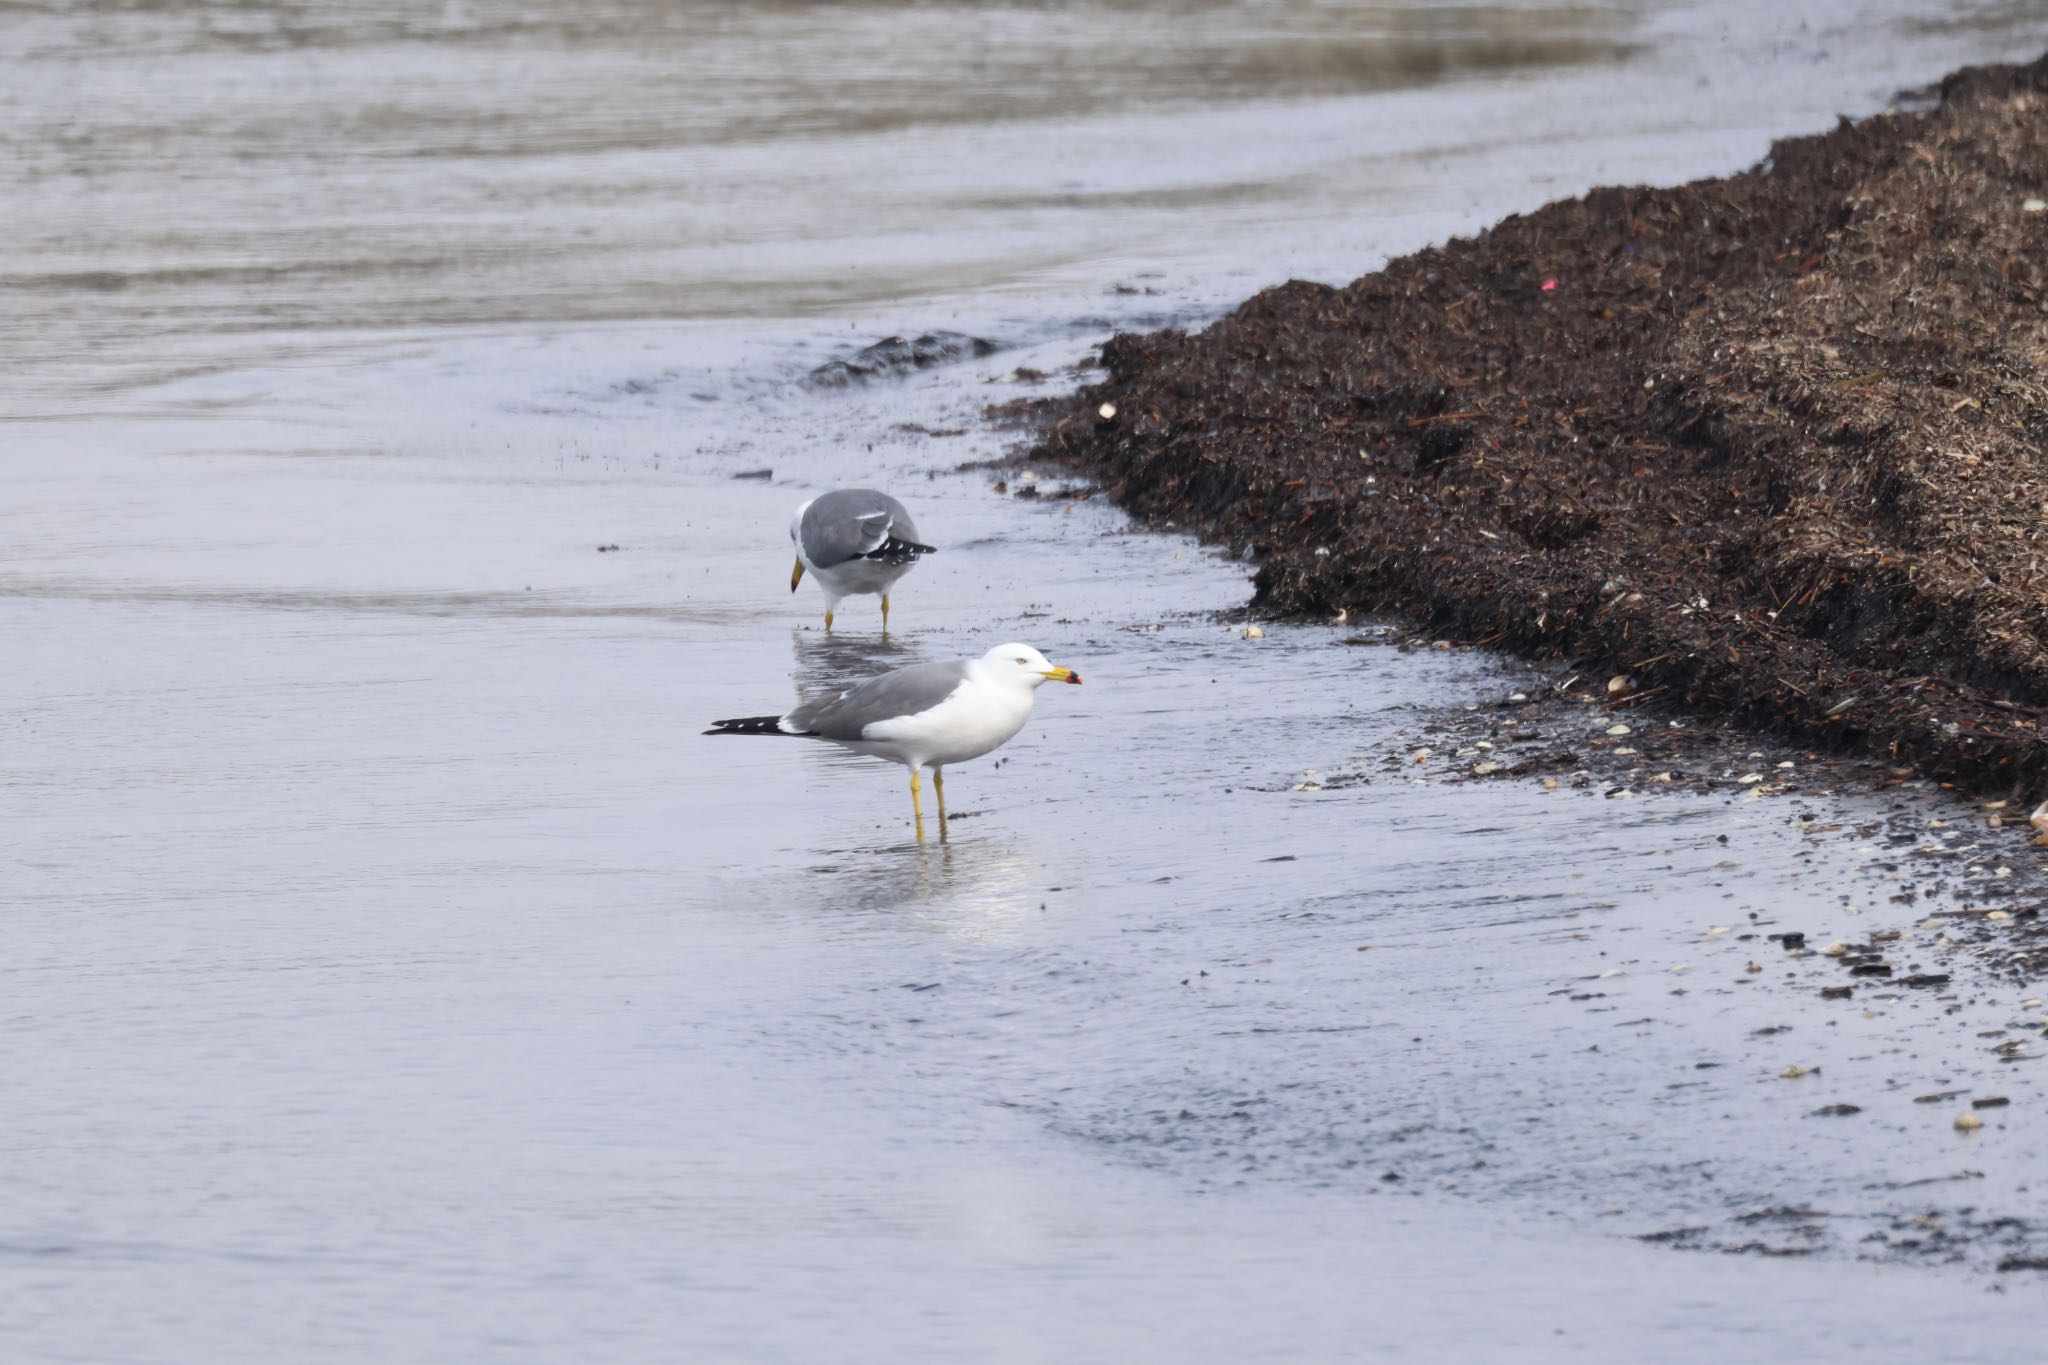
986 886
833 663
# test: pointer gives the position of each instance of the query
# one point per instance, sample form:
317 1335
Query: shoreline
1690 436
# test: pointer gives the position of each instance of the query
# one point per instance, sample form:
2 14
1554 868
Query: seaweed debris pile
1770 444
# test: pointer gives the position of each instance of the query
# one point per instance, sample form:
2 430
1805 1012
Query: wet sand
411 955
395 972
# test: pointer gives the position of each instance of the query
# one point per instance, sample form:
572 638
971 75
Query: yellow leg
939 786
828 620
885 631
917 803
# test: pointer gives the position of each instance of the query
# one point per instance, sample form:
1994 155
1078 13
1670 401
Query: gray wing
852 523
904 692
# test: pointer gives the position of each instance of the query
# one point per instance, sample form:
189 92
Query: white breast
978 717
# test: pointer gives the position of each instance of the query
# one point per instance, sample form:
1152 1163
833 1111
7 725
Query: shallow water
194 187
394 970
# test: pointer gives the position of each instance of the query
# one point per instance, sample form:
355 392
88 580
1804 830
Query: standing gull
853 541
926 715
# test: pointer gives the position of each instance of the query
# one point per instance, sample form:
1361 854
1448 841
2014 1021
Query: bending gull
926 715
854 541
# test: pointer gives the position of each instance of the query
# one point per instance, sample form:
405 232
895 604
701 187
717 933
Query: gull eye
1024 661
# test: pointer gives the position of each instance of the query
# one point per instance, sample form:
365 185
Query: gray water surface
394 972
192 187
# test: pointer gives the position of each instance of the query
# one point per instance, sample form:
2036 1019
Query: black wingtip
747 725
895 551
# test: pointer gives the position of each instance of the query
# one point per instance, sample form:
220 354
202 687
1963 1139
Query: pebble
1968 1123
1254 633
1106 411
1618 730
1792 1073
1836 949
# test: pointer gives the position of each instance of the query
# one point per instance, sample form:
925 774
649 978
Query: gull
926 715
853 541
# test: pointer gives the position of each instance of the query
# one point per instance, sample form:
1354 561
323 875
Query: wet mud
1769 445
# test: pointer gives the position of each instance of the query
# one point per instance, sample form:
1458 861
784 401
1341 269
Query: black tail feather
748 725
896 551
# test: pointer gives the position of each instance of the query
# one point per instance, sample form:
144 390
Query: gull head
1024 665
